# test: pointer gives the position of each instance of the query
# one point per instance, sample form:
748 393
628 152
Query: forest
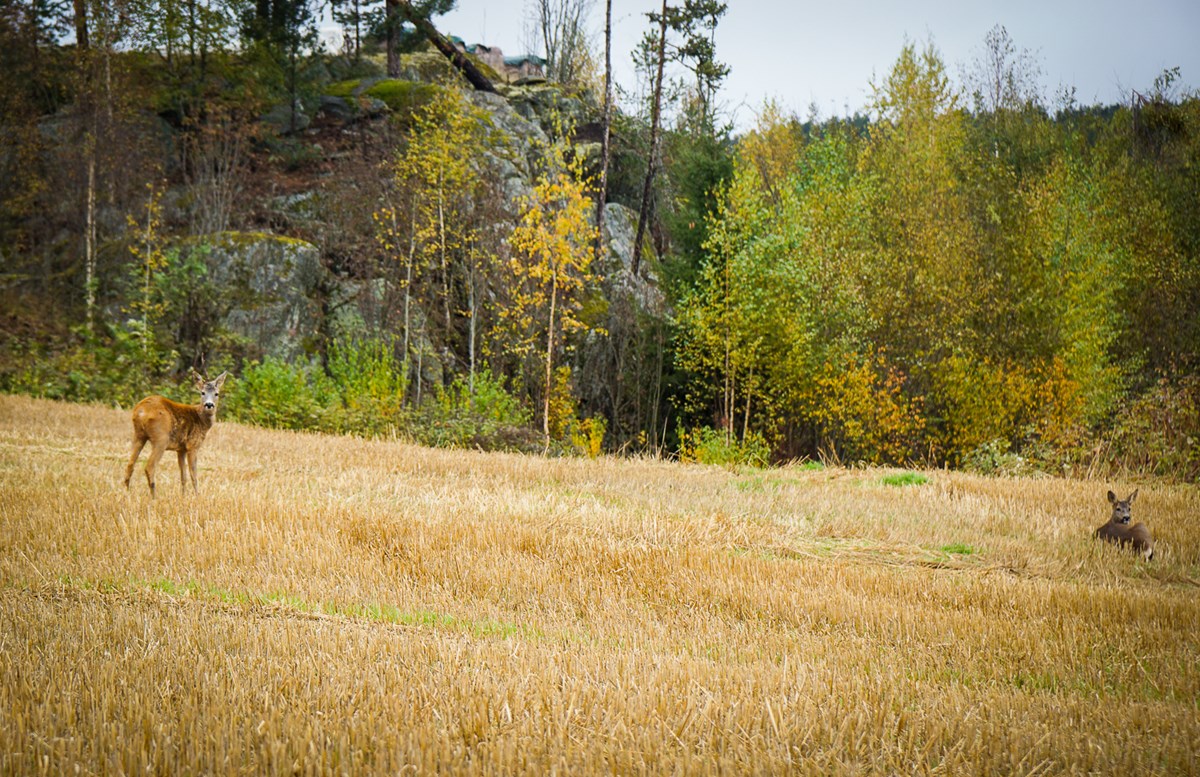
389 237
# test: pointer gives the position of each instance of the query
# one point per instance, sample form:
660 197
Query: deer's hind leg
183 478
139 442
156 452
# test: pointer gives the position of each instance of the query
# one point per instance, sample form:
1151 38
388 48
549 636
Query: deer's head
210 391
1121 508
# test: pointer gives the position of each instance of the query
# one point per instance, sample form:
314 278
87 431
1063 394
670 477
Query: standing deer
170 426
1119 531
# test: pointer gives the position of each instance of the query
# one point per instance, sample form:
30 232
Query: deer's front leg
191 460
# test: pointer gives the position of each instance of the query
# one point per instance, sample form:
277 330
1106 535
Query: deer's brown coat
1118 530
171 426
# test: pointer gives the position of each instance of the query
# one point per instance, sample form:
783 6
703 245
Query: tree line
967 280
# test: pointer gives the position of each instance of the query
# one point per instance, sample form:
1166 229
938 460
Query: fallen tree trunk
460 60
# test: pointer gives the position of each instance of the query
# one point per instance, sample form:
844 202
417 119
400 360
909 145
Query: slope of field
329 605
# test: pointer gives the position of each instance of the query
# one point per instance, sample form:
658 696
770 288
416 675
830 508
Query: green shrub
292 153
490 419
1158 433
111 367
710 446
995 458
366 388
275 394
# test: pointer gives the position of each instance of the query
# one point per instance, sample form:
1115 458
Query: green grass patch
371 611
757 484
958 549
169 587
905 479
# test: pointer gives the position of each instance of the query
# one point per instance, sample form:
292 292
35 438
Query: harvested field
334 605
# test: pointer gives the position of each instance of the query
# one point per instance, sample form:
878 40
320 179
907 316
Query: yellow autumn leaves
512 297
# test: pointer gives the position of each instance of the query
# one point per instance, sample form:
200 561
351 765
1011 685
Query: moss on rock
344 89
400 95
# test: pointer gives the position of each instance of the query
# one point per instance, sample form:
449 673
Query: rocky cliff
285 296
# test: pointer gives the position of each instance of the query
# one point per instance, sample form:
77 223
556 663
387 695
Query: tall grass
334 605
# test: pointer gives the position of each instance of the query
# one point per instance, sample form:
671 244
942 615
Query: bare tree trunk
445 263
81 26
550 42
108 88
549 358
473 309
148 276
191 6
604 147
456 57
357 30
88 128
420 364
105 30
749 392
729 410
90 236
655 116
656 397
392 26
203 54
408 275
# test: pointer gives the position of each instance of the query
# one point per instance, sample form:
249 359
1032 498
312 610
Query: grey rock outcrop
271 285
286 118
619 231
515 159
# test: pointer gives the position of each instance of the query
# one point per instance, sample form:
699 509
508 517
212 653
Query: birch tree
429 226
551 265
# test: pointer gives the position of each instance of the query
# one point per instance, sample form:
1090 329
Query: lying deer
1119 531
170 426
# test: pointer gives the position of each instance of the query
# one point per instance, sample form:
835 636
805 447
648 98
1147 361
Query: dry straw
329 605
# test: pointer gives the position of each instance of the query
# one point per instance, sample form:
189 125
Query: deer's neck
202 420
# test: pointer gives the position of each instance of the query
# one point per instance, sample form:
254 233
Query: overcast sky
826 54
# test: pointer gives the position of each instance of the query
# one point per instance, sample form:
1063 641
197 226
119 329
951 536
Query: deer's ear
198 379
1112 497
220 380
1132 496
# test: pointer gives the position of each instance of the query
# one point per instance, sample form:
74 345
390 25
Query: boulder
281 119
337 108
271 285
